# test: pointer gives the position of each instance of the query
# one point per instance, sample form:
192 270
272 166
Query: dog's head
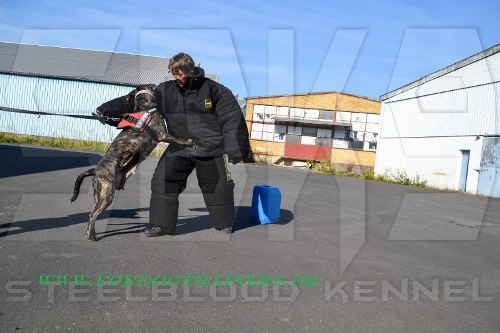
143 97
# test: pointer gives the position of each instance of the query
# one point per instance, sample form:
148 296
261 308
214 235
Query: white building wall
469 111
437 160
425 128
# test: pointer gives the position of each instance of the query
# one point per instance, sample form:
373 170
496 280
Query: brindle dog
128 149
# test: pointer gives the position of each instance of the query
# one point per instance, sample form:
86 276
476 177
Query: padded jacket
205 111
208 113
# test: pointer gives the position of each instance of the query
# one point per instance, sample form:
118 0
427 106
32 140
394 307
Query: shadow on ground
184 226
80 218
242 221
243 218
22 160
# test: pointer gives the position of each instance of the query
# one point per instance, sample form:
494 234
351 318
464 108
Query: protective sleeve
232 122
114 108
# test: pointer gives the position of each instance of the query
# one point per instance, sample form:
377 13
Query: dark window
309 131
295 130
341 133
356 144
323 142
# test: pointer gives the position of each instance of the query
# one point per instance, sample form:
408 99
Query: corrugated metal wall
469 111
65 97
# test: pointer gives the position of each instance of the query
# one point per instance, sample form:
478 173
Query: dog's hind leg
104 192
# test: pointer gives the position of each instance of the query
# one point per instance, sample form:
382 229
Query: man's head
181 66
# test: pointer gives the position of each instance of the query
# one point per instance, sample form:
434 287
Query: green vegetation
390 176
262 160
63 143
400 177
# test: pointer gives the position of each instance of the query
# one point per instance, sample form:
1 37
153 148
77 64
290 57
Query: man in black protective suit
201 109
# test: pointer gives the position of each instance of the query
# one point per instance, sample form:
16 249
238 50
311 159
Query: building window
341 133
309 131
281 129
295 130
356 144
297 113
323 142
360 132
326 115
324 133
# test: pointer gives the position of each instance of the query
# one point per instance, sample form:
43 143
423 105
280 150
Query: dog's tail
79 180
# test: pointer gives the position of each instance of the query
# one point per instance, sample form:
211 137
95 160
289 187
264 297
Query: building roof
462 63
84 65
312 93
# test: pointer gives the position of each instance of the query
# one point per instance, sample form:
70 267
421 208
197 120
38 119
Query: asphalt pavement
347 255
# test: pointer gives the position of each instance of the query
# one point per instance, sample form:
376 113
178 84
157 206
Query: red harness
136 120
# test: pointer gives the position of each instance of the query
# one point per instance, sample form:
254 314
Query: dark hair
180 61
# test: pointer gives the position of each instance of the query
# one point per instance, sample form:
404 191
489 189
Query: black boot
155 231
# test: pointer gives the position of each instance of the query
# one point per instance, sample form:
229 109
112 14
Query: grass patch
262 160
390 176
400 177
45 141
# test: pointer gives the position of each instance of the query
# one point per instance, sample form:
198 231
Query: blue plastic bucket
266 202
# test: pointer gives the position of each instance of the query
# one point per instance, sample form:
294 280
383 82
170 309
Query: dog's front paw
189 142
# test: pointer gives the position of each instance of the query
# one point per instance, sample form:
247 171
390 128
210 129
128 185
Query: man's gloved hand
235 159
191 150
97 115
106 120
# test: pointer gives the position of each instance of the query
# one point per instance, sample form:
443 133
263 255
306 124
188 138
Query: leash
95 116
41 113
140 124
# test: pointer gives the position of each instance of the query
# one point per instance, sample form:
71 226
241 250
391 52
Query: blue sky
272 47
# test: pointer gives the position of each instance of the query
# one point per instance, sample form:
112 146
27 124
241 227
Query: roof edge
313 93
83 49
70 78
448 69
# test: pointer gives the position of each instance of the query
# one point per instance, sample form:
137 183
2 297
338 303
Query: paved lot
377 257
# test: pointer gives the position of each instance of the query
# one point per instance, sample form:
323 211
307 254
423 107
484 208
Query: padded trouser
169 180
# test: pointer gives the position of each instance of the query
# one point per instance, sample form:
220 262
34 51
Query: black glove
113 111
106 120
97 115
235 159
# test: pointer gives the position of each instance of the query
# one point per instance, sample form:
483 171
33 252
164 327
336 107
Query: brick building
336 127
